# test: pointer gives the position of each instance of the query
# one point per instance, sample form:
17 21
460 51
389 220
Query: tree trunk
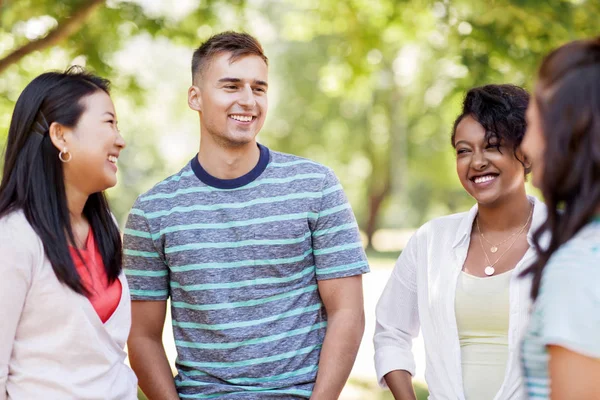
396 164
64 29
376 198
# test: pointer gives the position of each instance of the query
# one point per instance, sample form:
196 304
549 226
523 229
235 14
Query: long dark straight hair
568 100
33 179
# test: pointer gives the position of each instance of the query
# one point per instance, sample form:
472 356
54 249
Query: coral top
105 298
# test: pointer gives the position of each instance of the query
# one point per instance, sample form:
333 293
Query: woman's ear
525 161
59 135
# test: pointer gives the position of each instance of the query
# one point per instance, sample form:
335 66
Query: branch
64 29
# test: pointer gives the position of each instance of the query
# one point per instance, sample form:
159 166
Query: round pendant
489 271
493 249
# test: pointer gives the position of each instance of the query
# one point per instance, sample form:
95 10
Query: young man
259 252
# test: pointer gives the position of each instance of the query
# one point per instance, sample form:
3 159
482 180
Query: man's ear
59 135
194 98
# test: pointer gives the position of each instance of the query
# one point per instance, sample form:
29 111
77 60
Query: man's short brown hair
238 44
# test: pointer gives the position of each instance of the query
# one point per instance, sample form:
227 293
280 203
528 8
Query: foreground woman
64 303
561 350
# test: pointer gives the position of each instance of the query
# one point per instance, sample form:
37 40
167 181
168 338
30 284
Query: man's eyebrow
238 80
234 80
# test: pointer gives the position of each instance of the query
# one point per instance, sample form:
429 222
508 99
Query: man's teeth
242 118
482 179
112 159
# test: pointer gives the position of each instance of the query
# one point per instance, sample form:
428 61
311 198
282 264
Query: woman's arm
573 375
15 277
397 325
400 383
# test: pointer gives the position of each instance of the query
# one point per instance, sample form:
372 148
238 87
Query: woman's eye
461 151
231 87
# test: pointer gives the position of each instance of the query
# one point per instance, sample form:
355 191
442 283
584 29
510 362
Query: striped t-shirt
566 312
240 260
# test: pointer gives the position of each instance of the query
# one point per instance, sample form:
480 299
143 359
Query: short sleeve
144 260
337 246
569 302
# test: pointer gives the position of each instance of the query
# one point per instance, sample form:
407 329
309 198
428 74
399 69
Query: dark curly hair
568 99
500 109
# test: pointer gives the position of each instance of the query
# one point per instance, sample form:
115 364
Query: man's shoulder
291 162
168 188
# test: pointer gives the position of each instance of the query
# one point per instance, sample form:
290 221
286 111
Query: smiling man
258 251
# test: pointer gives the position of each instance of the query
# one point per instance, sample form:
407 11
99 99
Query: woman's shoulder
443 225
440 232
21 248
15 228
578 256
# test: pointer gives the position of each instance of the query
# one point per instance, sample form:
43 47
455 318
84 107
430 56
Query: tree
390 77
63 30
369 88
38 35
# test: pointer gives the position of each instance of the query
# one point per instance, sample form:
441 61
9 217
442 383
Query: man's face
233 99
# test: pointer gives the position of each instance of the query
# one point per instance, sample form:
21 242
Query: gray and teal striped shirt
240 260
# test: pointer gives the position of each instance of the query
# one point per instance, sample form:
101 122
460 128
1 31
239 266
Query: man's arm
147 353
343 301
573 375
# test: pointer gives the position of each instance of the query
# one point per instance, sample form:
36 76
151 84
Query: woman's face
95 144
534 143
489 172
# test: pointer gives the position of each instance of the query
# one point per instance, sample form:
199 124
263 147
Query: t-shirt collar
243 180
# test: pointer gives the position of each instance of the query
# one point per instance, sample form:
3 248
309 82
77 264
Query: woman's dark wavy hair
568 101
33 179
500 109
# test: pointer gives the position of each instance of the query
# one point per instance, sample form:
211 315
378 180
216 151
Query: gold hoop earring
64 155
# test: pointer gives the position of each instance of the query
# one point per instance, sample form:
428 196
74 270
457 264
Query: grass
368 390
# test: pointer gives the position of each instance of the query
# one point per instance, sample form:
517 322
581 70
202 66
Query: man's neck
228 162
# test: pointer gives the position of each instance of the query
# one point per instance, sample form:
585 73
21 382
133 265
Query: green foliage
368 87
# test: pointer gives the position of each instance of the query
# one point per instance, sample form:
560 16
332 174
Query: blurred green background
367 87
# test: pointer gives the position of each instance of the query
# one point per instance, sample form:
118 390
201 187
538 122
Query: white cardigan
420 294
53 344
